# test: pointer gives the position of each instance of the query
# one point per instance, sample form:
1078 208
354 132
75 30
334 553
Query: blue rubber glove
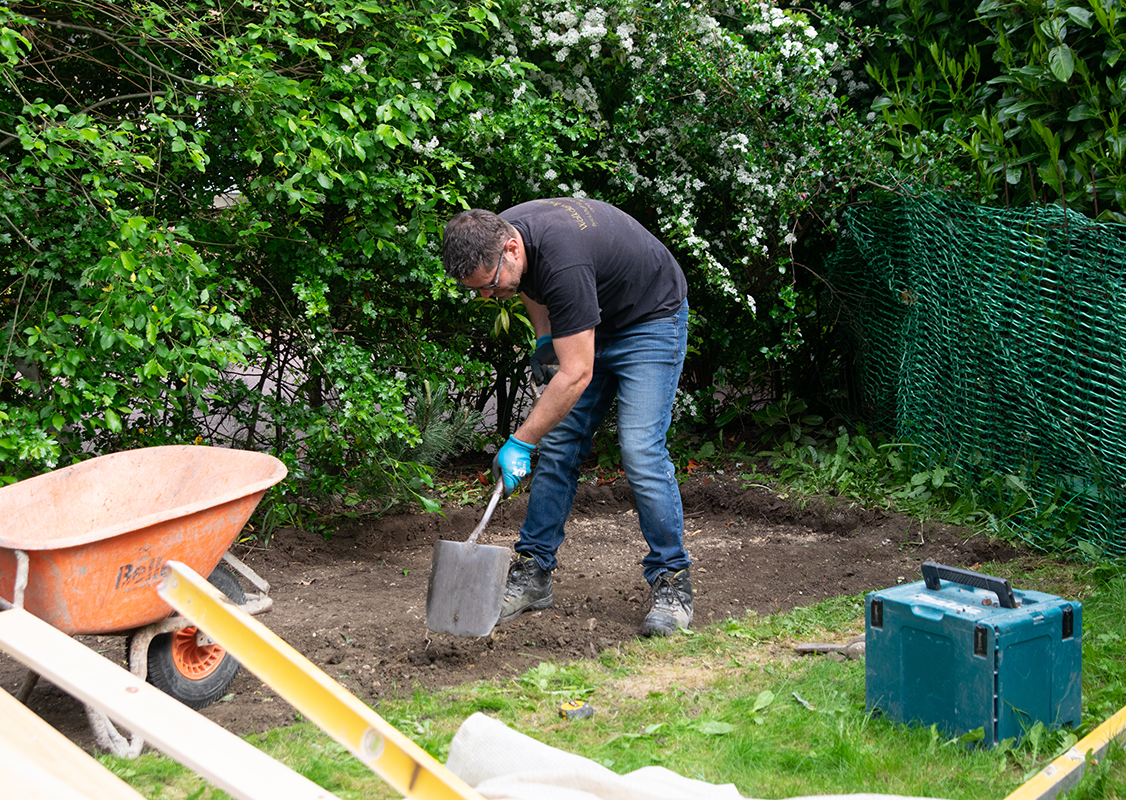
544 361
513 461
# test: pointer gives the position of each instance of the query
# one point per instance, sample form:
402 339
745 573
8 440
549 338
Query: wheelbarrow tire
196 676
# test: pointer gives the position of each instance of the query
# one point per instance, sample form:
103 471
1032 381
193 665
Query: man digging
609 306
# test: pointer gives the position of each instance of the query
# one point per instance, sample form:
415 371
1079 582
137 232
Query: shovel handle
493 500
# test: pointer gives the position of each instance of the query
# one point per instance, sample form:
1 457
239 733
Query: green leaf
1051 172
458 88
764 699
1090 550
1080 16
1080 112
12 45
1061 62
976 735
153 367
113 422
715 728
387 133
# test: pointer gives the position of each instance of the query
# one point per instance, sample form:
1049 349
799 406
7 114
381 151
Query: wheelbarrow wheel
196 675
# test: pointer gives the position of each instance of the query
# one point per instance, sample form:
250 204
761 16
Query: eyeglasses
495 282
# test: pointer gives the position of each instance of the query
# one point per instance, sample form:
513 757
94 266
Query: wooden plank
408 768
230 763
1065 772
36 761
32 783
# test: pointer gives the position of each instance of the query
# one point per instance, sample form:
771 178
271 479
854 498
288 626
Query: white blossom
356 63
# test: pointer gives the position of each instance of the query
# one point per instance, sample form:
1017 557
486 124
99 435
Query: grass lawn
734 703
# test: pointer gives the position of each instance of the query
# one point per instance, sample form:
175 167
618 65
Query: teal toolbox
963 650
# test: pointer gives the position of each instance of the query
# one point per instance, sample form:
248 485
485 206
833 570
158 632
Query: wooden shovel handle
493 500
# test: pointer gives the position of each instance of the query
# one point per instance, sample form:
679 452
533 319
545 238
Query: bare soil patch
355 604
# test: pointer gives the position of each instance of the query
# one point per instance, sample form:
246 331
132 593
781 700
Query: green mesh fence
995 340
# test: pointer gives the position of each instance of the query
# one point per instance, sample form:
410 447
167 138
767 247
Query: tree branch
20 233
119 98
102 34
138 96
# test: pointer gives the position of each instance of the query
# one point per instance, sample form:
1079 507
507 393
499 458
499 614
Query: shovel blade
466 588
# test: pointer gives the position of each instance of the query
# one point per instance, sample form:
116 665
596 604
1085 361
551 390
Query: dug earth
355 603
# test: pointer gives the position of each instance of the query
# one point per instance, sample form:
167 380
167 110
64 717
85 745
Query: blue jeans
639 365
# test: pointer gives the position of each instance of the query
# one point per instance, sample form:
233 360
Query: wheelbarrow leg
107 737
23 565
245 571
28 684
140 640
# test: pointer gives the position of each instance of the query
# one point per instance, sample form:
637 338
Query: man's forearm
557 400
576 367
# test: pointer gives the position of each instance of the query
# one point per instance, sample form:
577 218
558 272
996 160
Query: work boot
672 605
528 588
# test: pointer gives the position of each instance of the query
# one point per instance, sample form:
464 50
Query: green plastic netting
995 340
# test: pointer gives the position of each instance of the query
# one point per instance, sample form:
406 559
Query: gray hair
473 239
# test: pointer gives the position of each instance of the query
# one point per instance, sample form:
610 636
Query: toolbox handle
932 572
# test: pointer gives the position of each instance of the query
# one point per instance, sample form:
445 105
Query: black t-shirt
594 266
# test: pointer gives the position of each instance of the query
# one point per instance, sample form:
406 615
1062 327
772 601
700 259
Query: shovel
467 582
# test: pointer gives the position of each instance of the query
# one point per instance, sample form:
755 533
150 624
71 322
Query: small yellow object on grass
576 709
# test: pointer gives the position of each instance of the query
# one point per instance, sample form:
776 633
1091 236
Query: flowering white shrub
723 119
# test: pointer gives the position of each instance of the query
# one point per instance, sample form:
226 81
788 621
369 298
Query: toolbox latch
877 612
1068 622
981 640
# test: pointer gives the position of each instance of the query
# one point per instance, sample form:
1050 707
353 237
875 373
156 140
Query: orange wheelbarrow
83 548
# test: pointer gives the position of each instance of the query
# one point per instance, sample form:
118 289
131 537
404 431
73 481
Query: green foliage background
220 222
1025 96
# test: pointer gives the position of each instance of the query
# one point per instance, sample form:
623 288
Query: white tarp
503 764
